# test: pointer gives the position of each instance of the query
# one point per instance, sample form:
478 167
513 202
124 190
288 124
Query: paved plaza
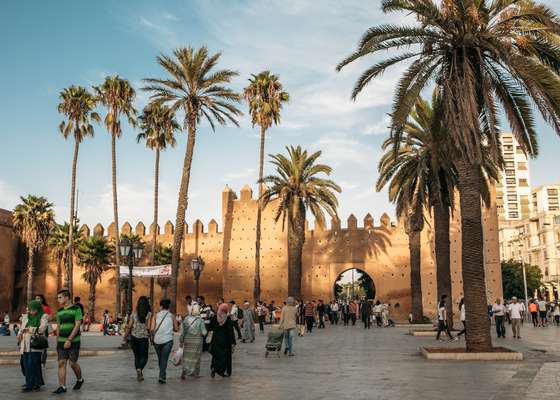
334 363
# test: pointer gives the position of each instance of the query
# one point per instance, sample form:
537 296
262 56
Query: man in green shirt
68 321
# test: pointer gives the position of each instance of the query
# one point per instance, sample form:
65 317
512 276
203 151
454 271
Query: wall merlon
84 231
368 221
352 222
246 193
98 230
212 226
140 229
126 228
168 228
154 227
198 226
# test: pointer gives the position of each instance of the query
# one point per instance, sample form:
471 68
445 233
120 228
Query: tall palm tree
59 248
158 127
295 189
163 256
94 254
199 90
77 105
407 178
117 96
265 96
486 55
33 221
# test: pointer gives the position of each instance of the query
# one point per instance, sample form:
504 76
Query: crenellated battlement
232 201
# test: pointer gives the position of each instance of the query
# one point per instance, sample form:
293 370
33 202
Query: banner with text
157 270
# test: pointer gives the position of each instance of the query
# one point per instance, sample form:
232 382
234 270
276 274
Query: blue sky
50 45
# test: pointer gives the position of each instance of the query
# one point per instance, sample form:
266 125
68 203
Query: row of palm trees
486 58
193 86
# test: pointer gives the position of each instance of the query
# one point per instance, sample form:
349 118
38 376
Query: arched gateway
354 284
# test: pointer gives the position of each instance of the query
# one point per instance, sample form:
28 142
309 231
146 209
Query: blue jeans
163 351
289 340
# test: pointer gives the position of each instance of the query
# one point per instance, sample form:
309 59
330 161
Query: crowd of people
218 328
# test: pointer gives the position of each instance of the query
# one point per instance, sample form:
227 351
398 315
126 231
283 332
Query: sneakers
60 390
139 375
78 384
454 339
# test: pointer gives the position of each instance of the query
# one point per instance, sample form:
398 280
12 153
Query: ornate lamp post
197 265
132 252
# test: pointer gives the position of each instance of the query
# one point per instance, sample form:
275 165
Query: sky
48 46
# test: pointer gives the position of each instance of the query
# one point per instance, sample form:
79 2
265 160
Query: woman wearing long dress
193 332
36 323
223 342
248 324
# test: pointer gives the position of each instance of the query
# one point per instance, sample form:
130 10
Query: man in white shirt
234 315
543 319
499 312
516 311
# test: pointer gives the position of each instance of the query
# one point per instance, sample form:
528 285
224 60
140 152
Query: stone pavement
334 363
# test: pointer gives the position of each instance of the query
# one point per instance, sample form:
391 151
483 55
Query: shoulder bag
153 334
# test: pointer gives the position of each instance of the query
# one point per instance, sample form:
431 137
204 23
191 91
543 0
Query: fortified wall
380 248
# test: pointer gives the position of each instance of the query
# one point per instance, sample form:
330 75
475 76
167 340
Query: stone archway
354 283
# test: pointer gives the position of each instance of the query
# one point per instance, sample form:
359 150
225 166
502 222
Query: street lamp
132 252
197 265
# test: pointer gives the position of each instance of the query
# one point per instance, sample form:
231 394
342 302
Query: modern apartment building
536 239
513 190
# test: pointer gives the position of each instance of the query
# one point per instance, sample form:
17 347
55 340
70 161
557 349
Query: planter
461 354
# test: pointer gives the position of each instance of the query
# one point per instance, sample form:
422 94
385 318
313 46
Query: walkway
334 363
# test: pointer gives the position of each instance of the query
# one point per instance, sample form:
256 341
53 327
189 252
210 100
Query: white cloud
340 149
243 175
378 128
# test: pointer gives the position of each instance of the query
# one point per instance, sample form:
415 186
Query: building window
510 164
510 172
552 192
513 214
510 181
523 182
512 206
553 200
522 166
553 208
512 197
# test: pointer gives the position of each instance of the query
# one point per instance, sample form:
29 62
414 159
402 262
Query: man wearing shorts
68 321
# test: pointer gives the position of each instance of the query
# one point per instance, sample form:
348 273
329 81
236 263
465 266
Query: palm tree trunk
415 274
116 220
296 239
91 302
472 258
154 233
442 248
257 281
30 273
68 278
182 209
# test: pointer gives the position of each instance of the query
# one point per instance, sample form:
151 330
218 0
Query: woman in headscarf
223 342
33 326
193 332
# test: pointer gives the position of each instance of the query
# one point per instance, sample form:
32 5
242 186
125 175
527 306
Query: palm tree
77 105
295 189
33 221
95 255
117 95
486 55
59 246
265 97
158 127
199 90
407 178
163 256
